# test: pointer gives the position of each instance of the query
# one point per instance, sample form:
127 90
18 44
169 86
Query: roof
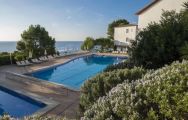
147 7
128 25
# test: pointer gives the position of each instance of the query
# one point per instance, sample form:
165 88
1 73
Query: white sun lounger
56 56
50 57
36 61
27 62
43 58
23 63
19 63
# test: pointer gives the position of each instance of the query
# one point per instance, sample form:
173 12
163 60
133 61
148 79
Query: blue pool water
74 73
16 104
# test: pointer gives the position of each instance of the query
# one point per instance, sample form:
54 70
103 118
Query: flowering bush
101 84
160 94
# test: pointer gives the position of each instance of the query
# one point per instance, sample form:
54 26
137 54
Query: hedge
162 94
101 84
16 56
5 59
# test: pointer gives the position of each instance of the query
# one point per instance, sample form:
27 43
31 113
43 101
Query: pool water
74 73
17 105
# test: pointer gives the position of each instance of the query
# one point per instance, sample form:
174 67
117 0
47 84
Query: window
127 39
127 30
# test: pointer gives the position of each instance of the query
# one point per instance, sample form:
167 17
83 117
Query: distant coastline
10 46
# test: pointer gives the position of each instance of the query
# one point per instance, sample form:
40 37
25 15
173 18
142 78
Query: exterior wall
154 13
121 34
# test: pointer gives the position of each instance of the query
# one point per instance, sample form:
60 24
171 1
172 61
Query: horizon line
55 40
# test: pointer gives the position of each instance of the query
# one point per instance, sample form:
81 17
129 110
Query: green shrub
184 51
88 44
101 84
5 59
18 56
160 43
105 43
123 65
160 94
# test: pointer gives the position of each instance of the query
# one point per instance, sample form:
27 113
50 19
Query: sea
10 46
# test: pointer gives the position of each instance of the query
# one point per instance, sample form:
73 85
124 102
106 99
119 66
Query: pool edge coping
49 104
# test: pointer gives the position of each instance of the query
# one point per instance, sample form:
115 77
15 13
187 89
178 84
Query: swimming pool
74 73
17 105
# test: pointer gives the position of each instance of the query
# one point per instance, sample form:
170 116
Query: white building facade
124 36
150 13
153 11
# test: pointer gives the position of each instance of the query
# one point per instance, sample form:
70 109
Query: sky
65 20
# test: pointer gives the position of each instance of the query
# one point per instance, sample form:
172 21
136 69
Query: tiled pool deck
65 102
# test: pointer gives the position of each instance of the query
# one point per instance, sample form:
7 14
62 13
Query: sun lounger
33 60
23 63
36 61
27 62
124 52
50 57
43 58
19 63
56 56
